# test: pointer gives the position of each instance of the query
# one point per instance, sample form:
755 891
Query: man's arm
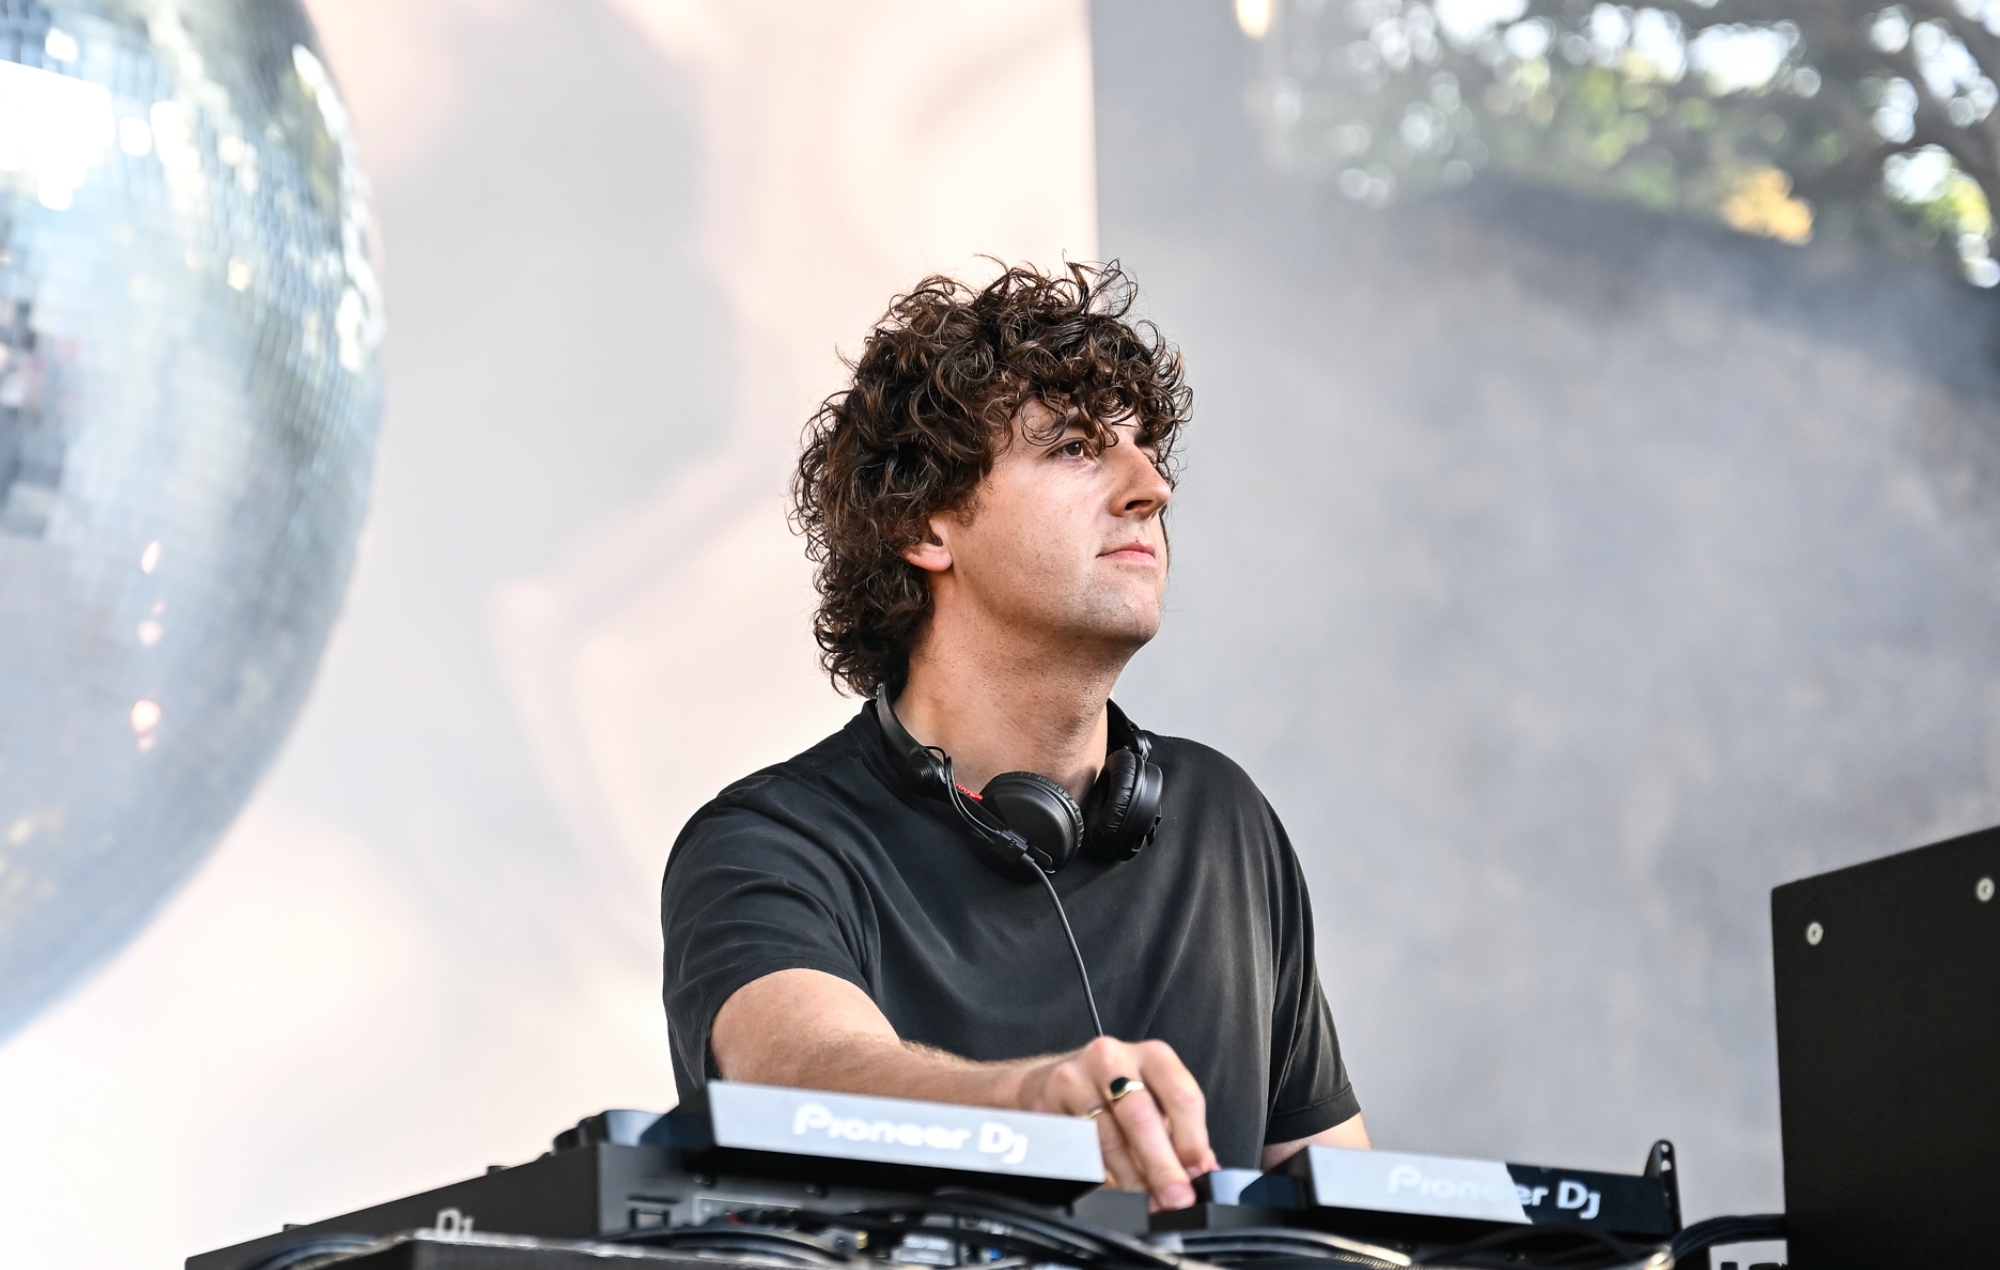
807 1029
1348 1133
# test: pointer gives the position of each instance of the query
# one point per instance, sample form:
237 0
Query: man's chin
1124 633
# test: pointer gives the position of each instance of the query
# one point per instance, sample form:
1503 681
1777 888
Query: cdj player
767 1176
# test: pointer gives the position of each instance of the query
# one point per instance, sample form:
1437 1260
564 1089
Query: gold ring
1095 1112
1122 1085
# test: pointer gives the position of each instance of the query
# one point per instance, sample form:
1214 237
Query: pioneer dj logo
1408 1177
994 1138
1570 1194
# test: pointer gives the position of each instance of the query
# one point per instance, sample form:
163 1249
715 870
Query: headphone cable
1089 997
1020 845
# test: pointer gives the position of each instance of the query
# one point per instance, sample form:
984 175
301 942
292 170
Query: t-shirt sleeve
1309 1086
746 896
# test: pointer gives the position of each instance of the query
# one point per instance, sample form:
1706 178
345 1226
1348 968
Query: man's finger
1146 1135
1118 1164
1125 1169
1180 1100
1152 1149
1136 1144
1079 1090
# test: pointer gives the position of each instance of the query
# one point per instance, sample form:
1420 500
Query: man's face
1063 542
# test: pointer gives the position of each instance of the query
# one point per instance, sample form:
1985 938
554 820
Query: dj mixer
765 1176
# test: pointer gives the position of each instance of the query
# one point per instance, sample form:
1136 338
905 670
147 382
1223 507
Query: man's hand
809 1030
1155 1137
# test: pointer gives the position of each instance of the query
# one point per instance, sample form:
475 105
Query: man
985 507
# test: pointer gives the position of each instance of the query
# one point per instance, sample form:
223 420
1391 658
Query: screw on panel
1814 933
1983 889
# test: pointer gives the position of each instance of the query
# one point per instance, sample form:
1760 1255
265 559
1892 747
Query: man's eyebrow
1066 427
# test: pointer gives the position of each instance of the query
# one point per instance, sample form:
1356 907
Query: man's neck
1020 714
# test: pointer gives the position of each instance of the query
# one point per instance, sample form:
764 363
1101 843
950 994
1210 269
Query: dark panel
1888 978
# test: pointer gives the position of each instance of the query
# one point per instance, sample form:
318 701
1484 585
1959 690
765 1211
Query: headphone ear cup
1124 808
1040 811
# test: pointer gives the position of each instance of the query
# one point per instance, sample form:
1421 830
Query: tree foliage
1790 118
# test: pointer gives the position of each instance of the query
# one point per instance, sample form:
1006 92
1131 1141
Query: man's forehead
1036 417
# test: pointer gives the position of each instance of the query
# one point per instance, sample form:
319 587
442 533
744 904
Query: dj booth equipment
427 1250
1888 1007
824 1178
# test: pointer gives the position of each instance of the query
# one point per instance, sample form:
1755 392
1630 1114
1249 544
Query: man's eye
1074 449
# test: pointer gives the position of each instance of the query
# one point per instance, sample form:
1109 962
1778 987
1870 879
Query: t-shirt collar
889 769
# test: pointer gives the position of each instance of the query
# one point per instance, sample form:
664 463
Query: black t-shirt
834 862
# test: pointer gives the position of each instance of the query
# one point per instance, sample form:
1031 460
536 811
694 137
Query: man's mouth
1132 551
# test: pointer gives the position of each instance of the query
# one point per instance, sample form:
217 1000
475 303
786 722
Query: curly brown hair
936 390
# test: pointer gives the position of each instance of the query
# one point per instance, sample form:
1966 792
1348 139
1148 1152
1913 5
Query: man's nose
1142 489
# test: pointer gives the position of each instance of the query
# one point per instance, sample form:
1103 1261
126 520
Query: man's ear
929 553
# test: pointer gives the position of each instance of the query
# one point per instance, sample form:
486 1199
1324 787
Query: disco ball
189 394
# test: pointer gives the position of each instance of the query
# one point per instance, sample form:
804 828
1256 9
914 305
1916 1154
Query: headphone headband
919 760
1124 736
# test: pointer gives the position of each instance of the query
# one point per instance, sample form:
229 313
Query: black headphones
1025 824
